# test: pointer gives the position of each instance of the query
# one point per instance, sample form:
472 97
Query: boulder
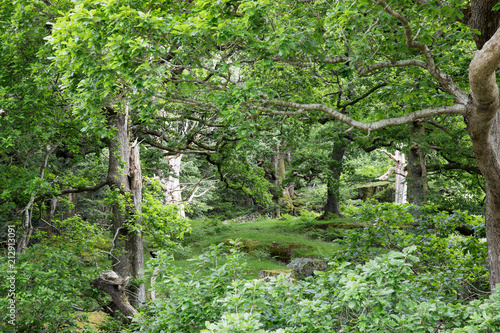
265 274
304 267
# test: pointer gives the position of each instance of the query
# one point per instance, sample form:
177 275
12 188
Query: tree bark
417 171
400 171
483 125
281 197
124 175
484 19
134 243
333 184
172 186
114 285
73 198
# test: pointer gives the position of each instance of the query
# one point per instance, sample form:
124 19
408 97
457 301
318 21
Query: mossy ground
270 244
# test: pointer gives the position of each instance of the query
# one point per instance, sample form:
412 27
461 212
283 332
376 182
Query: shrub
49 283
190 297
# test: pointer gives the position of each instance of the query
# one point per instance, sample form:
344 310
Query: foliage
386 292
162 224
394 227
236 83
190 298
45 294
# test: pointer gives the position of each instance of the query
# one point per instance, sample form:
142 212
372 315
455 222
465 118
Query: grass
269 244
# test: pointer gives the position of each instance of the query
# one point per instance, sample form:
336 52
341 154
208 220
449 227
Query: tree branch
445 80
405 119
86 188
482 72
402 63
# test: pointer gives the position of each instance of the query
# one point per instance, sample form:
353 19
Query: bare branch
193 196
389 154
403 63
405 119
386 175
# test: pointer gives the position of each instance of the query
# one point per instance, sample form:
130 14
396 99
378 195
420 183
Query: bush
384 295
190 297
389 293
49 283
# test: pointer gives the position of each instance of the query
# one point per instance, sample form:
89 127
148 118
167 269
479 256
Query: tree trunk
73 198
172 187
114 285
280 197
486 144
483 126
417 171
333 187
134 243
484 19
400 171
401 186
124 175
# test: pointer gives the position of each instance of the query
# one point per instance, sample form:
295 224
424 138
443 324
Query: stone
265 274
304 267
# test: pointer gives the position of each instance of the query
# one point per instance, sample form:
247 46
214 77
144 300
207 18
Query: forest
249 166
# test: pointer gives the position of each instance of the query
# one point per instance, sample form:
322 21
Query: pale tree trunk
417 171
400 174
124 174
401 186
172 186
134 244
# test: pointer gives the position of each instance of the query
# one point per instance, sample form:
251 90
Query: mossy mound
283 252
380 191
279 251
339 225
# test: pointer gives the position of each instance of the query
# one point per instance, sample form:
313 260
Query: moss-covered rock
304 267
265 274
380 191
283 252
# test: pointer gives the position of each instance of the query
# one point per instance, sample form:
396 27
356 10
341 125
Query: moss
381 191
283 252
275 272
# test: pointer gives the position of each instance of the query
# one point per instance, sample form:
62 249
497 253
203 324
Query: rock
265 274
304 267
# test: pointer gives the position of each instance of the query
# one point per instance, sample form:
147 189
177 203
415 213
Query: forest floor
270 244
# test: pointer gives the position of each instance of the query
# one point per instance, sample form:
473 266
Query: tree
416 28
479 108
416 49
400 171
